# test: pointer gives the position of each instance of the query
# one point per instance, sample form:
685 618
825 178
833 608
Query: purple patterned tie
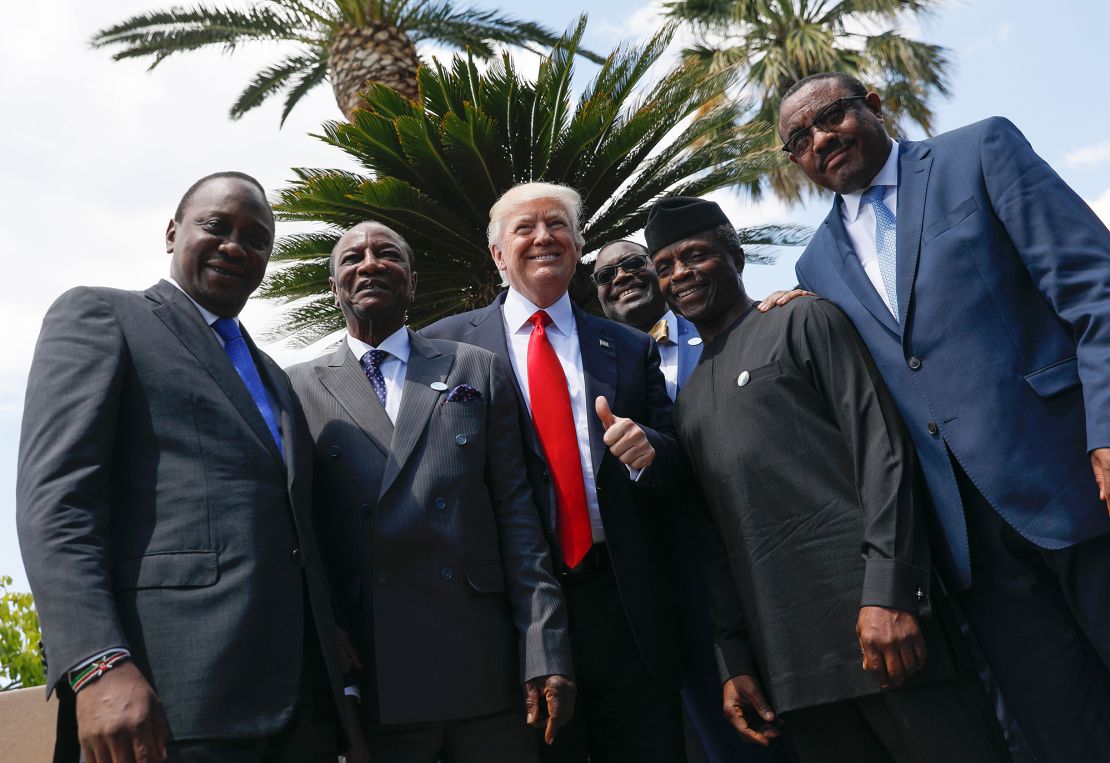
371 363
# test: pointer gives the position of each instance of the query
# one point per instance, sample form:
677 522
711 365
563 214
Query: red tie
551 413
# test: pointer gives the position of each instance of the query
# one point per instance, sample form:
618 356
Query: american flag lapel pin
602 342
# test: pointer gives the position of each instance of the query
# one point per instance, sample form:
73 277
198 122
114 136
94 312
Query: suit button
381 577
447 573
298 556
441 504
366 510
933 428
333 451
914 363
460 439
546 476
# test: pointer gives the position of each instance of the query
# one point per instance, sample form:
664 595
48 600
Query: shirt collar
518 309
209 316
888 175
396 344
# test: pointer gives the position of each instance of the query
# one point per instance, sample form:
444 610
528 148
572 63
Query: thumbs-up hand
624 438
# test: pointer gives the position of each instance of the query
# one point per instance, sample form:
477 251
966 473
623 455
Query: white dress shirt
859 221
393 367
209 316
668 354
562 332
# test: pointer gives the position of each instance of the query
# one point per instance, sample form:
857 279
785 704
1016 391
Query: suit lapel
850 269
426 365
914 165
487 329
599 368
688 354
345 380
182 318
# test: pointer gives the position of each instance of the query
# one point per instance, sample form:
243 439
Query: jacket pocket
951 220
167 569
1056 378
485 577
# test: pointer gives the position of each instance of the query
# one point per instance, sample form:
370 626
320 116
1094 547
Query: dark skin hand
892 644
556 708
120 718
359 751
349 658
748 710
780 298
1100 463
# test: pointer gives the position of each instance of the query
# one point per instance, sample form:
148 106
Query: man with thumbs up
598 441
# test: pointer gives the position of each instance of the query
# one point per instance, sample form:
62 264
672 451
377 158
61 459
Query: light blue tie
240 354
885 242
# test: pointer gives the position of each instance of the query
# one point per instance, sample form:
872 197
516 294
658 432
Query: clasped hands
893 649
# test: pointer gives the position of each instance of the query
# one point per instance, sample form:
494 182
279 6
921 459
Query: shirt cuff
634 474
353 691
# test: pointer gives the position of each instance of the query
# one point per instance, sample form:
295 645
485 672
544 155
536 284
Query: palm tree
435 167
775 43
352 43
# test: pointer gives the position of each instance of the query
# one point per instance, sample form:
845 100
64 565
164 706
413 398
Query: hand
349 658
624 438
892 645
780 298
1100 462
120 718
359 751
748 710
557 707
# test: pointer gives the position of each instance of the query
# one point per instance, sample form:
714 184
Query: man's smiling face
632 296
537 250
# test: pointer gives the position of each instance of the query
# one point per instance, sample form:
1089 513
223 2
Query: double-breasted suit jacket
155 512
444 575
1001 353
621 364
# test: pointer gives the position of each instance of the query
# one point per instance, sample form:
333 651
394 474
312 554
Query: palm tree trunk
375 53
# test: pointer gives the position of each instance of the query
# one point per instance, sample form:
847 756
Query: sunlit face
537 250
846 157
221 244
698 278
632 296
373 279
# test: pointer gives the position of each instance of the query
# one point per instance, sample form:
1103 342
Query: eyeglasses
633 263
827 120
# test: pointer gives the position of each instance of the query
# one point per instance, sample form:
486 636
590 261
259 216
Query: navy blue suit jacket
688 354
1001 354
622 364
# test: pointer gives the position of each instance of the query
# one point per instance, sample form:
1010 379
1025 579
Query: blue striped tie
240 354
885 242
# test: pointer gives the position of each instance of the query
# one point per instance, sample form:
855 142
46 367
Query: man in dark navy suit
981 285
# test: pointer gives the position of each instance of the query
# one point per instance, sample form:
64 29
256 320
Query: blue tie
885 242
371 362
240 354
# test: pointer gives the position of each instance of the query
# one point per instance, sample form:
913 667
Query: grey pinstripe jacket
443 574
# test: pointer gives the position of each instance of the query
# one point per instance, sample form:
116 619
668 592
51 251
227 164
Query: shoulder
976 133
451 326
306 369
93 297
461 350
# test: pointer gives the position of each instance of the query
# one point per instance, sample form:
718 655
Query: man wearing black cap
812 541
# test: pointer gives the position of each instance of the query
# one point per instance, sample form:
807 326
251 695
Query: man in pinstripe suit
443 575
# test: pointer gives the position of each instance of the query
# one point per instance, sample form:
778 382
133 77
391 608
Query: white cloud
1101 206
1088 155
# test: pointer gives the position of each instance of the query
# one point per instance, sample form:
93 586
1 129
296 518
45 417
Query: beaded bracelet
80 679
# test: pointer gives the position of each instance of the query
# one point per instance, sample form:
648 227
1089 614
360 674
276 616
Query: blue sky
97 153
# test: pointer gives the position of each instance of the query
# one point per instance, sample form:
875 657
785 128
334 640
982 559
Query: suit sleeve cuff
734 658
895 585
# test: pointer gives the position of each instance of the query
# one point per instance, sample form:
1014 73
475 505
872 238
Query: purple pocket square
462 394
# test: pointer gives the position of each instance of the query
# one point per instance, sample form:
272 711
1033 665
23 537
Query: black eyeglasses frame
816 122
609 272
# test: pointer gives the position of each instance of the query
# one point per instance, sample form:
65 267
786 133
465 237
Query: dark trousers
941 722
621 713
497 738
1042 618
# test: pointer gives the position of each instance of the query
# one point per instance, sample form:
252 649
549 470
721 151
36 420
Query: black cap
678 217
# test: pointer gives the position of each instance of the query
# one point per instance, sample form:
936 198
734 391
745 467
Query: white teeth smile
545 257
688 292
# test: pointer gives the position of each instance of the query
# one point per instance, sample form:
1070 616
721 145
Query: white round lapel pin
694 341
438 386
743 378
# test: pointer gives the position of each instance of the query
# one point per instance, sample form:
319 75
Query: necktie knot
661 331
874 195
227 328
539 319
372 360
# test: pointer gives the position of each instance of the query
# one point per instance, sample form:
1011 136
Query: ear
874 102
498 258
335 294
171 236
793 159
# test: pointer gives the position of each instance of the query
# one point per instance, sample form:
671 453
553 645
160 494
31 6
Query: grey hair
727 237
523 193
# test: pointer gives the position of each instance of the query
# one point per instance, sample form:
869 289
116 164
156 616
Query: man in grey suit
814 546
163 506
429 527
